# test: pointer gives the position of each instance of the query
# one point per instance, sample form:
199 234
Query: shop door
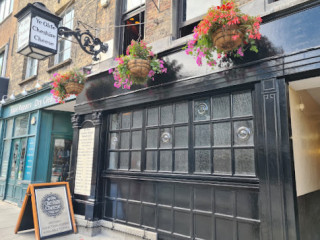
16 169
61 152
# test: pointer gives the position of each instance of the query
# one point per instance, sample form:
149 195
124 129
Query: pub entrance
305 123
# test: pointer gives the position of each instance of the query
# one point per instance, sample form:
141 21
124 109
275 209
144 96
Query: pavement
9 214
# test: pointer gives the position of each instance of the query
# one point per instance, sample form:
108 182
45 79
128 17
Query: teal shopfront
35 146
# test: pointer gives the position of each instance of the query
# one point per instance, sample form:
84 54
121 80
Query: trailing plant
60 80
223 18
123 75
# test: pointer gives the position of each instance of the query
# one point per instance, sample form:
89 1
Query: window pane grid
214 140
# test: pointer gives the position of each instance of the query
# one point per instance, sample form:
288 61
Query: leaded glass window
211 135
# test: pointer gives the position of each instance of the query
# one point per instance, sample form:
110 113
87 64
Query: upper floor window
5 8
32 67
64 44
1 63
133 21
191 13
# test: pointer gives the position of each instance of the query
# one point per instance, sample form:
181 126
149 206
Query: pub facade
203 154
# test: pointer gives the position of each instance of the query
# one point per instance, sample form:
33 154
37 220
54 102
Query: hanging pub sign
37 31
47 208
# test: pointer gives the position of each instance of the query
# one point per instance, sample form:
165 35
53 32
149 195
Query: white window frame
64 53
32 67
6 7
4 53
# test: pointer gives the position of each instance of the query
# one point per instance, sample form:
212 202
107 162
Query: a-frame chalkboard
47 207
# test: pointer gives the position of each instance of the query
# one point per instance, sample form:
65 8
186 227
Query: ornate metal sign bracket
87 42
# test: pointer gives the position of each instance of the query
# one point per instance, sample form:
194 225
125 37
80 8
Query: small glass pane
222 134
152 138
131 4
114 121
151 163
124 160
21 125
181 161
181 114
243 133
202 161
114 141
137 119
153 116
126 120
166 161
113 160
202 110
61 159
136 160
125 140
136 140
166 114
5 158
192 8
221 107
181 137
166 138
222 161
242 104
202 135
9 128
244 162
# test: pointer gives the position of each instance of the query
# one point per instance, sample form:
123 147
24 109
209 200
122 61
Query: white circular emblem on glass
115 139
165 137
243 133
202 108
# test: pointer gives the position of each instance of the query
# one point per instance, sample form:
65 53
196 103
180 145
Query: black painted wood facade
190 205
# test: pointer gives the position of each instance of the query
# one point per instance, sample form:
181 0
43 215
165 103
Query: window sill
59 65
3 20
29 79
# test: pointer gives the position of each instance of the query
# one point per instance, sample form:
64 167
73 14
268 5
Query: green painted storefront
35 144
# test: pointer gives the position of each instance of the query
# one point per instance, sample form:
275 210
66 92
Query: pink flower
151 54
199 61
240 52
111 70
151 73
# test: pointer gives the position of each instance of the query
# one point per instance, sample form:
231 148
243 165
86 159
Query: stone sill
27 80
60 65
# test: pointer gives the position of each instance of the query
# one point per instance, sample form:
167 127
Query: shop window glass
61 160
15 158
21 125
191 12
31 146
9 128
22 156
5 158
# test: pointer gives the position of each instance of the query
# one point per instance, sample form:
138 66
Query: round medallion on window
114 139
165 137
243 133
33 120
202 108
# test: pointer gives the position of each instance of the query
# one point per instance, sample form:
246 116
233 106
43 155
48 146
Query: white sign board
53 211
24 32
44 33
84 161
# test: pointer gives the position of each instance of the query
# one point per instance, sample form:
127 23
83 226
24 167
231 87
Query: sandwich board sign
47 207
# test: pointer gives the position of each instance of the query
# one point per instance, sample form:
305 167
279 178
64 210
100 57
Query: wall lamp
2 100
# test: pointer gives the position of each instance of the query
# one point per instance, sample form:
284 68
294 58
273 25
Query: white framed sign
84 161
44 33
24 32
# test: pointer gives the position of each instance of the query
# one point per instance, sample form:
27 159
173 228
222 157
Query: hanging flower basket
226 31
74 88
225 40
66 84
137 66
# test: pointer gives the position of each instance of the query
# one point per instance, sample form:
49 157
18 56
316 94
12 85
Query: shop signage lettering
44 33
52 211
41 101
23 32
29 158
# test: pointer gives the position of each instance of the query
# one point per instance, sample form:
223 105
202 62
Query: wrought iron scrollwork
87 42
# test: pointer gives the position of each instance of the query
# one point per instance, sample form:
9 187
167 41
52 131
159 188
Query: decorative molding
97 118
76 121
